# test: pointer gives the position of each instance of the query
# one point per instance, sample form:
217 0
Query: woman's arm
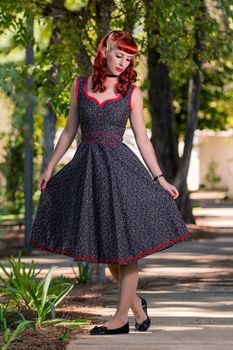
68 134
66 138
143 142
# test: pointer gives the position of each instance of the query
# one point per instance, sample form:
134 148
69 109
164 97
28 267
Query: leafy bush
23 288
211 176
83 268
8 336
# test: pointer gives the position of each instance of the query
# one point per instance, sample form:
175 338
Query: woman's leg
136 304
128 280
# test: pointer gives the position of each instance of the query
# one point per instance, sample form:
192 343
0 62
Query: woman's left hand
170 188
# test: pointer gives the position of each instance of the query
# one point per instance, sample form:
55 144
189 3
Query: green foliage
22 287
211 176
5 327
65 337
12 83
10 337
216 101
20 284
171 31
45 301
13 16
83 268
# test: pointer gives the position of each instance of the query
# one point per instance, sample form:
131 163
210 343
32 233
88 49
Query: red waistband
101 137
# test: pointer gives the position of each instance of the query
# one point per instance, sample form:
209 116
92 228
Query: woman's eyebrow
123 54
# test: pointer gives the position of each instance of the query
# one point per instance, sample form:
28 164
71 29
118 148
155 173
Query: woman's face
117 60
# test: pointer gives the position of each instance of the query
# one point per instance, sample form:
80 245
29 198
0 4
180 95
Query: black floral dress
103 206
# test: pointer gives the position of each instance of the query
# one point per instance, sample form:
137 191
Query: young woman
104 206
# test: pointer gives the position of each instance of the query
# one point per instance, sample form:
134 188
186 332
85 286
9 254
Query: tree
176 33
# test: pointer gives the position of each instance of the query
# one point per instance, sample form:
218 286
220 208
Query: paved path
190 301
189 290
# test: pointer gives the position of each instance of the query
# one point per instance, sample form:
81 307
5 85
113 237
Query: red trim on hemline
66 252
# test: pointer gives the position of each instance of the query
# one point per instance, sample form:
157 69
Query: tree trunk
194 93
103 10
183 200
49 132
164 137
28 163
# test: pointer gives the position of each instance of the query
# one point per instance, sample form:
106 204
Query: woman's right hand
44 178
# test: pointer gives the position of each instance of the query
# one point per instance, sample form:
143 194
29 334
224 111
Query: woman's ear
104 52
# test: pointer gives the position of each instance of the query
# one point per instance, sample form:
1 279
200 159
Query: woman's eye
121 57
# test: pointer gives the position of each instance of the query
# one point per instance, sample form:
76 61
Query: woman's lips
118 69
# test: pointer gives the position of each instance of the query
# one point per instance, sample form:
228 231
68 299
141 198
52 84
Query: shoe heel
142 327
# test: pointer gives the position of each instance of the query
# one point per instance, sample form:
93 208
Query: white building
212 146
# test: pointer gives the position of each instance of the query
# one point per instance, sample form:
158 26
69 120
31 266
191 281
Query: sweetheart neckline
95 99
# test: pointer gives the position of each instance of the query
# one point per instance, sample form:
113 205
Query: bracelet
156 177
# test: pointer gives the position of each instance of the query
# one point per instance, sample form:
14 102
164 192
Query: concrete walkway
189 290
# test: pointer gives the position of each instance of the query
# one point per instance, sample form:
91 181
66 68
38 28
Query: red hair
125 42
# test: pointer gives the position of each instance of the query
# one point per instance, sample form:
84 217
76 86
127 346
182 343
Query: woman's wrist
49 168
158 176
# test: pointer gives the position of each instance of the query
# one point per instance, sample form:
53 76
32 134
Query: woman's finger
174 193
39 185
44 184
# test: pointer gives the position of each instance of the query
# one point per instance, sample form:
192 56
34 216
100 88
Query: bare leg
128 280
136 304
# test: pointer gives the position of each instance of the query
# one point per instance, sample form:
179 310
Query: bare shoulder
75 87
136 97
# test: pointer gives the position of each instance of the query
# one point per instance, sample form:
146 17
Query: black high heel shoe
100 330
143 326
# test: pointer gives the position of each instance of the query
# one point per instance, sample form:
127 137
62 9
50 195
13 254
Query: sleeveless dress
103 206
